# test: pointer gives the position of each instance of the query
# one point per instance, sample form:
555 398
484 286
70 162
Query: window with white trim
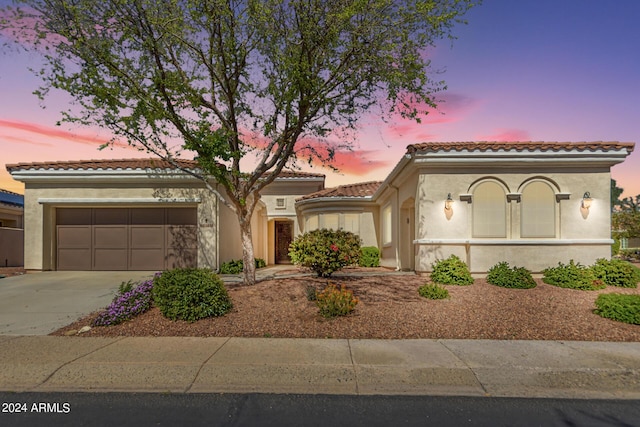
489 210
538 210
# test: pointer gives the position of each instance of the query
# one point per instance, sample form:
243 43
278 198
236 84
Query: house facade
142 214
531 204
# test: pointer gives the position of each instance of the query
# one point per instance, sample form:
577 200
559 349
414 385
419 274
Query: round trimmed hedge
190 294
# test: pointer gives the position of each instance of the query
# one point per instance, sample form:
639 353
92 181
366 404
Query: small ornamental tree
325 251
245 87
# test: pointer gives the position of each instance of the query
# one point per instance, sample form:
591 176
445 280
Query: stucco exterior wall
580 235
400 195
367 219
41 201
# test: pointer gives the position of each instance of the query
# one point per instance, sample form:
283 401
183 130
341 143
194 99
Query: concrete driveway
40 303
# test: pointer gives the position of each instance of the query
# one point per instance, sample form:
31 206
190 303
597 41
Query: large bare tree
235 79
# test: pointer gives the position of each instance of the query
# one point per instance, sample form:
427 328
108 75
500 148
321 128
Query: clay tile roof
520 146
101 165
360 190
298 174
123 164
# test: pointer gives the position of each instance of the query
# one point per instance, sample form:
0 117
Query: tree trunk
248 261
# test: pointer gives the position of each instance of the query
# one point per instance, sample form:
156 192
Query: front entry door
284 235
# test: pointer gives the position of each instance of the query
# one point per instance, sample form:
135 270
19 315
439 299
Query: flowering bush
334 302
126 305
325 251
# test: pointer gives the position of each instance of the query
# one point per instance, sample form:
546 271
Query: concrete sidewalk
568 369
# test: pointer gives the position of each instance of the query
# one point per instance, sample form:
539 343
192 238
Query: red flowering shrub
325 251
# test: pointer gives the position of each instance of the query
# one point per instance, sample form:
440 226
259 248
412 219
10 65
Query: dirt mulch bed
11 271
390 308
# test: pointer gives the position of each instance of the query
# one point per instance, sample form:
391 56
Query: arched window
538 210
489 210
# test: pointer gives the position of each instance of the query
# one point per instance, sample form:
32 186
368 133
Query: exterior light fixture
586 200
448 207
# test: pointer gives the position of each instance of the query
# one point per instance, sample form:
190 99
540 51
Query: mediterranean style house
531 204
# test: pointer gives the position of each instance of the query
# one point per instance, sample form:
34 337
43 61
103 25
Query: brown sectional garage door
126 238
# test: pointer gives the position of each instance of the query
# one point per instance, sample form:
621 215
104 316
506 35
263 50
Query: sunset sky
543 70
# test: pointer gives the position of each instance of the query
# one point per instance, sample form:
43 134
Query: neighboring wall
11 247
11 236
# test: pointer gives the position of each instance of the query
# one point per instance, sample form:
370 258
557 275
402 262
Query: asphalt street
154 409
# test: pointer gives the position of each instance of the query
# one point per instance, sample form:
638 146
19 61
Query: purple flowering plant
126 305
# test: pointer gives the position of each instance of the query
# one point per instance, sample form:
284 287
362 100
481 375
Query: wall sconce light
586 200
585 204
448 207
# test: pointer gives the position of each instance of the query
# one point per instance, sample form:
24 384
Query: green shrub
630 254
190 294
573 276
433 291
369 256
620 307
334 302
311 292
616 272
235 266
615 248
325 251
451 271
503 275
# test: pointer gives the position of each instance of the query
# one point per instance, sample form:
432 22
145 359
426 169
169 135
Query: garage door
126 238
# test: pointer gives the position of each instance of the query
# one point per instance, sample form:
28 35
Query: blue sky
561 70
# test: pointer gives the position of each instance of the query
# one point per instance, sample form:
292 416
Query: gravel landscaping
390 308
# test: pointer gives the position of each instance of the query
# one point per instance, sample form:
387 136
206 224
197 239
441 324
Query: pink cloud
24 141
451 108
346 160
49 132
506 135
358 162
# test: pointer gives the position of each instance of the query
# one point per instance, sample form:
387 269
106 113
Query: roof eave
511 157
330 199
53 175
398 168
